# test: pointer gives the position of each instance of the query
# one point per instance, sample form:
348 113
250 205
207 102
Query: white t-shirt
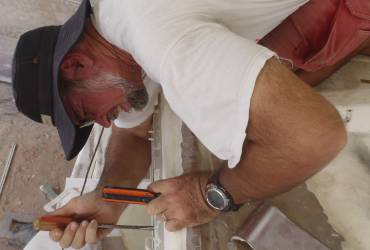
204 55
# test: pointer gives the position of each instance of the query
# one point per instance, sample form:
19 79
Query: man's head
68 75
100 98
97 81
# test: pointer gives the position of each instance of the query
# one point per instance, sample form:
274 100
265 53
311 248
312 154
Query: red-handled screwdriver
50 222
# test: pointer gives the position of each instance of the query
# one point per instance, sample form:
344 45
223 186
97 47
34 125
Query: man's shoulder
145 29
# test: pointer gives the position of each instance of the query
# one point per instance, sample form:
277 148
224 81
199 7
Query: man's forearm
127 159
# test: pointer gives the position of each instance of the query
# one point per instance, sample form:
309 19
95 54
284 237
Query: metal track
7 167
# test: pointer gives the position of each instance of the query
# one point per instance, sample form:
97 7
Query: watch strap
215 180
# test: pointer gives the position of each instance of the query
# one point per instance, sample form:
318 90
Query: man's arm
128 156
127 160
292 133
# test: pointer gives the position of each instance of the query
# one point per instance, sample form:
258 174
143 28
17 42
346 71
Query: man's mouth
138 99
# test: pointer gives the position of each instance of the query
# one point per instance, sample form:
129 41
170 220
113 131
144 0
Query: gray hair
136 96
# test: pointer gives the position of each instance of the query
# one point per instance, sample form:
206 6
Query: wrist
217 197
203 179
202 182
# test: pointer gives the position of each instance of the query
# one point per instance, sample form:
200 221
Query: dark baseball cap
36 63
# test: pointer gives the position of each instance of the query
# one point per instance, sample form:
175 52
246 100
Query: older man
242 103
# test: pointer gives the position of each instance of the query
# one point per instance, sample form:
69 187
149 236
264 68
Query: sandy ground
39 159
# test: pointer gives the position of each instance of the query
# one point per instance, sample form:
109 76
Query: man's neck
130 69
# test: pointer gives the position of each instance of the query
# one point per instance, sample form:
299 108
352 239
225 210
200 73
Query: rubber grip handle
128 195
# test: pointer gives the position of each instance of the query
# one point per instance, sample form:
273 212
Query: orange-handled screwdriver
128 195
50 222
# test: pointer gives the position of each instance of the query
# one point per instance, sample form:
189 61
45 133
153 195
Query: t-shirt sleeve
208 77
135 118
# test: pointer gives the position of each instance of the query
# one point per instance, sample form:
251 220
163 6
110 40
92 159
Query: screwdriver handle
128 195
50 222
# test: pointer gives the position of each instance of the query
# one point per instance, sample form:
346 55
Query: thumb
161 186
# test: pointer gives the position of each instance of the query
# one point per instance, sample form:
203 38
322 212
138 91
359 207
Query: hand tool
128 195
50 222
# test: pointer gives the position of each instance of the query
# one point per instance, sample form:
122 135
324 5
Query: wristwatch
217 197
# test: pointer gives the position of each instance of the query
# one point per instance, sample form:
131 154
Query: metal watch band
215 180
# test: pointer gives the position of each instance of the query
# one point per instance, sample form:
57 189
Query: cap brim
72 137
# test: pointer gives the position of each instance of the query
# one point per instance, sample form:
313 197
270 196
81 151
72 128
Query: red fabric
321 33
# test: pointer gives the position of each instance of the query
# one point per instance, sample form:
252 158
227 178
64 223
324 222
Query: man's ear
76 66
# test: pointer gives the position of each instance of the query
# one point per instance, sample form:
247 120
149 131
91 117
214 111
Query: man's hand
182 203
92 210
126 163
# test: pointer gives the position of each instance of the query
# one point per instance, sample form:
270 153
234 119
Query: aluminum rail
7 167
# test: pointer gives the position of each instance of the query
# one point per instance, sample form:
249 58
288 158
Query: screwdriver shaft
134 227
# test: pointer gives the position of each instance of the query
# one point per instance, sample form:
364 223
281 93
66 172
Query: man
242 103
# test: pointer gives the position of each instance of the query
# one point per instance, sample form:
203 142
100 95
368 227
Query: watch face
216 198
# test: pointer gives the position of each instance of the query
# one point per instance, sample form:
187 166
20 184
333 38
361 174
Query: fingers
175 225
56 234
77 236
174 221
79 239
69 234
102 233
86 206
160 204
91 232
164 186
157 206
181 203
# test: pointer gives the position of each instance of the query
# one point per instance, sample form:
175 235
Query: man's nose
103 121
